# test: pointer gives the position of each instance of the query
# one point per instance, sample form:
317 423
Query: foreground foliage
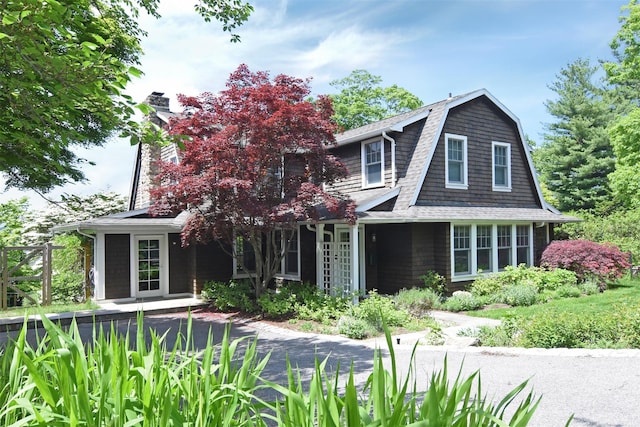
120 380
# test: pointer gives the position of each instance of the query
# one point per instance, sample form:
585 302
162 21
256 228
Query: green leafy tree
67 279
13 215
624 72
362 100
625 137
576 156
36 229
64 65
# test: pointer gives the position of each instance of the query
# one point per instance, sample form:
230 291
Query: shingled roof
408 187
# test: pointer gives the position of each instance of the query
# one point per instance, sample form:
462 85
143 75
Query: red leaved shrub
604 263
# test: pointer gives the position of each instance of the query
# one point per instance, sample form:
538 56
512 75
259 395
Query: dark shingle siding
481 122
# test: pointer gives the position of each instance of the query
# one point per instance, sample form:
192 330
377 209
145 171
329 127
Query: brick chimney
148 155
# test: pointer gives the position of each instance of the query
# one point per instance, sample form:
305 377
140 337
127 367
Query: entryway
150 280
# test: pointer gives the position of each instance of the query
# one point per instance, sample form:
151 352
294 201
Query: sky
513 48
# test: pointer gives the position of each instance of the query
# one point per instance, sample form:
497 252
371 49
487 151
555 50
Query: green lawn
627 291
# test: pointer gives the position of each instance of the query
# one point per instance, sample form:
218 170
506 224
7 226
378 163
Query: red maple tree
252 166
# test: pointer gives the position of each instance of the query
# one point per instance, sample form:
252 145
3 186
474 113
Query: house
449 187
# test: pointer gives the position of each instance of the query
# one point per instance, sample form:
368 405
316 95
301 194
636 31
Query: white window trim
495 187
164 264
282 274
456 185
363 161
494 247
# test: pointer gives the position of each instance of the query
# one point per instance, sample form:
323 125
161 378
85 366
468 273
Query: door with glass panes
149 277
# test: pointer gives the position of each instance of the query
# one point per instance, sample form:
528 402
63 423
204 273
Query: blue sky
513 48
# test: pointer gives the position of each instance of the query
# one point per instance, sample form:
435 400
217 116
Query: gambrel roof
408 187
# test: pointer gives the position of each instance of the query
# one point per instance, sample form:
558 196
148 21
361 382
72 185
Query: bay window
489 248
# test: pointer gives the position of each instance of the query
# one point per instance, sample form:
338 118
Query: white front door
149 278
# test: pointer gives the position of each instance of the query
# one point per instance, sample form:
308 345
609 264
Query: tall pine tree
576 156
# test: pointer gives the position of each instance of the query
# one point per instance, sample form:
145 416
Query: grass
48 309
626 291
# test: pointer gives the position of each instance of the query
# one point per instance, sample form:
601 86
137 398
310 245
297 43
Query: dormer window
372 164
456 161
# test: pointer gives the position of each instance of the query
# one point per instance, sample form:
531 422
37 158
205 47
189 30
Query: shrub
463 301
313 304
503 335
378 310
522 294
434 281
417 301
567 291
354 328
620 228
67 280
486 285
589 288
234 295
276 303
618 328
587 259
554 278
537 277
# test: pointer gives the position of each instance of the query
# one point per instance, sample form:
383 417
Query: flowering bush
604 263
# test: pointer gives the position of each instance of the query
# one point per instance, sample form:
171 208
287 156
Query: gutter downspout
393 157
88 292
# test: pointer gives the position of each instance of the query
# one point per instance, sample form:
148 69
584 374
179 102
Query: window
148 264
501 166
522 244
456 161
484 248
290 264
244 262
504 246
461 250
488 248
372 164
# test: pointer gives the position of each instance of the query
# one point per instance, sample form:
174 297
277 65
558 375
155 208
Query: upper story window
501 166
456 161
372 163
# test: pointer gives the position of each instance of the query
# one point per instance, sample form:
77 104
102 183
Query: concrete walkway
108 310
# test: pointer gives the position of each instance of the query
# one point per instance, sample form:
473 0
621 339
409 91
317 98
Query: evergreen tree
576 156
